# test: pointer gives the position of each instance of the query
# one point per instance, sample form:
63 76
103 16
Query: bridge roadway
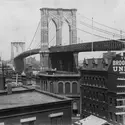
107 45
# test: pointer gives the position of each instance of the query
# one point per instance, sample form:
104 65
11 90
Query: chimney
9 88
2 78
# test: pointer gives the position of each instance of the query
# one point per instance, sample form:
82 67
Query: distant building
26 106
62 83
30 60
102 88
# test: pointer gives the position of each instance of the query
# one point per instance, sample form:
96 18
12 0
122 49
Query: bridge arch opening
65 33
52 33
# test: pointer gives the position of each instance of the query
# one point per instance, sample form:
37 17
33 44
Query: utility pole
121 33
92 33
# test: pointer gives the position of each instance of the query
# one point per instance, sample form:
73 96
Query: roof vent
85 62
105 62
95 61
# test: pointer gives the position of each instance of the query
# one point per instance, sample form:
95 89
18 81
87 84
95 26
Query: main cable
34 35
99 29
102 24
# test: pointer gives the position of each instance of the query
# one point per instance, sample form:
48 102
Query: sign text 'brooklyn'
119 65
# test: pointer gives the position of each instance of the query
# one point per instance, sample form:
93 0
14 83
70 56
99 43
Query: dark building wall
42 117
64 61
112 84
2 82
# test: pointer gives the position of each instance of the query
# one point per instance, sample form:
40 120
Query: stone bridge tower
18 46
58 16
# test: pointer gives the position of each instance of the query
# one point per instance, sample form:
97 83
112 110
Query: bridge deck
107 45
85 47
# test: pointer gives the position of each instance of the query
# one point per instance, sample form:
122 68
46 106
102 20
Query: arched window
52 33
74 88
51 87
67 87
60 87
45 85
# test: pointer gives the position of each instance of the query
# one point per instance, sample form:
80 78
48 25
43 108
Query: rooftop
26 96
92 120
59 74
99 64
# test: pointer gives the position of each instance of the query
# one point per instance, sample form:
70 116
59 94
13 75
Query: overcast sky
19 18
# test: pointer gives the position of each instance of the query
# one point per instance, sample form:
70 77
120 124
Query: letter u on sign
115 68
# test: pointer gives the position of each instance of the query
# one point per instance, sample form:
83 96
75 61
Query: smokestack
2 78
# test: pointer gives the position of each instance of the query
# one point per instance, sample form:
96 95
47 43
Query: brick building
23 106
61 83
102 88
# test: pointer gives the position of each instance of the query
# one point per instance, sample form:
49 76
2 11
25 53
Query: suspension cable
34 35
88 32
101 23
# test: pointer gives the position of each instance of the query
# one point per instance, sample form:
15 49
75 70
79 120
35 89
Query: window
44 85
119 103
97 106
56 118
110 100
28 121
74 88
115 102
110 115
51 87
60 87
93 108
103 95
97 95
103 108
115 117
90 104
67 87
94 94
121 118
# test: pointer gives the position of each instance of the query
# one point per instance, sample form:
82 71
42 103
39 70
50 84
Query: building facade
24 106
102 88
61 83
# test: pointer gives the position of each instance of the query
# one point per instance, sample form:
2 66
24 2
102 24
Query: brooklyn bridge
64 57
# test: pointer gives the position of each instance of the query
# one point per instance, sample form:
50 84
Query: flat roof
91 120
27 97
59 74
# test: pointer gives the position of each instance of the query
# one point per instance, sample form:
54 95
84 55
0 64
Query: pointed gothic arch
52 29
65 33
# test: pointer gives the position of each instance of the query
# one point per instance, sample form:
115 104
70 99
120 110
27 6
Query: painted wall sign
119 65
